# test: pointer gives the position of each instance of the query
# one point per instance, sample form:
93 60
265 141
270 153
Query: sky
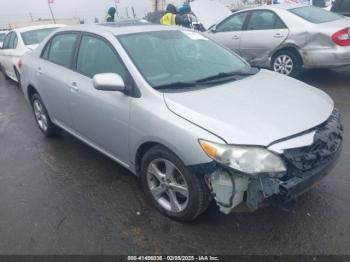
19 10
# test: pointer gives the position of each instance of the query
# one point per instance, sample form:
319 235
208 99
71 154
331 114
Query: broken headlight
246 159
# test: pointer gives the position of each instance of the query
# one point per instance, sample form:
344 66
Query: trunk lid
336 25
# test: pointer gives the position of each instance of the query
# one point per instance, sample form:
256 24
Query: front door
101 117
228 32
264 32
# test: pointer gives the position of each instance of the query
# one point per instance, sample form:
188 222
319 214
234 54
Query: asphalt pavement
59 196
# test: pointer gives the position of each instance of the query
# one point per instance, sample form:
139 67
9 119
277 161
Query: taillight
19 64
342 37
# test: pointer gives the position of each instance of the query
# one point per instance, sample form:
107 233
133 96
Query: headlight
247 159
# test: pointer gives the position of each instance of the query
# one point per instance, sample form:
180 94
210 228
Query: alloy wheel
167 185
40 115
283 64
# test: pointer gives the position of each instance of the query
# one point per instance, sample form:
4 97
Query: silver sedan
192 119
286 38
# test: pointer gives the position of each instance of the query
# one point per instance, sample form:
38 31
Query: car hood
257 110
209 12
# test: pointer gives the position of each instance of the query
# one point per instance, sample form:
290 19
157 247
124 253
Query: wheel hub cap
283 64
40 115
167 185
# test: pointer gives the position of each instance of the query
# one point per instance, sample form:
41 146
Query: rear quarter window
315 15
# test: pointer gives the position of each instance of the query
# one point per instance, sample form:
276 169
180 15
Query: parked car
192 119
18 42
321 3
2 37
341 6
284 38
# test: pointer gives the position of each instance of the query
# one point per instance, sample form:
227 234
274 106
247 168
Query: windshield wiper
226 75
176 85
223 76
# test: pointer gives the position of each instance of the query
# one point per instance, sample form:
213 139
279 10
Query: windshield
2 37
315 14
36 36
167 57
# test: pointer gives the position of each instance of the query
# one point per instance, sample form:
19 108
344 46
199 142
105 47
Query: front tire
170 186
287 62
42 117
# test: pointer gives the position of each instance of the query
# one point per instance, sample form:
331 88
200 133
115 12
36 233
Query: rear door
6 51
265 31
229 31
53 73
101 117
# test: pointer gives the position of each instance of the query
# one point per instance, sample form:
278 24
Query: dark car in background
341 7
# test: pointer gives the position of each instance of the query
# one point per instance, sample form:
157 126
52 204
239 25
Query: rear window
315 14
36 36
2 37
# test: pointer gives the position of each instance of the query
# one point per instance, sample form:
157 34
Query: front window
315 14
96 56
36 36
167 57
234 23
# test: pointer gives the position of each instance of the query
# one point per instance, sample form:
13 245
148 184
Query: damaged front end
305 165
231 190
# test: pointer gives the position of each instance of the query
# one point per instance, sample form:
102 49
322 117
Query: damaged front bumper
305 166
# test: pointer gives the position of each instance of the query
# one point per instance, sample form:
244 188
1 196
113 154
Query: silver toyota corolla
284 38
192 119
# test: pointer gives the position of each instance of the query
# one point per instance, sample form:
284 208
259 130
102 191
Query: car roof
277 6
37 27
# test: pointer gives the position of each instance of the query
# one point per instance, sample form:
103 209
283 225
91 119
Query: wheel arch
289 47
31 90
143 149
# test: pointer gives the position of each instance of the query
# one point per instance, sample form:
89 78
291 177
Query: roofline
36 27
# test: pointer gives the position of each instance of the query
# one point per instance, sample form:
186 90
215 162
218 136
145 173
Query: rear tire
170 186
287 62
42 117
18 76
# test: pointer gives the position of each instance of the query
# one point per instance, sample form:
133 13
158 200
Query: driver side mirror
108 82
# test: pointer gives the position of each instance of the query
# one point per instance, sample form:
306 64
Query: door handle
39 71
235 37
74 87
278 35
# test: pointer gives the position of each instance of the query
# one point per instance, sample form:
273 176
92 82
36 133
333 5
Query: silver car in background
285 38
192 119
